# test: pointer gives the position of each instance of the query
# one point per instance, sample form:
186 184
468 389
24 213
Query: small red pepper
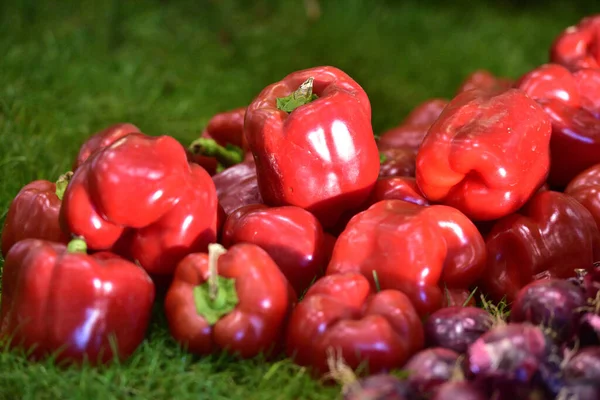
235 300
413 129
550 237
227 128
341 315
572 101
397 161
58 300
313 143
578 46
102 139
397 188
33 213
237 186
292 236
485 81
413 249
486 154
585 188
140 197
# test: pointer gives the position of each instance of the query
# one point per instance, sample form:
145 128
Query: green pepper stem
226 155
62 183
303 95
77 245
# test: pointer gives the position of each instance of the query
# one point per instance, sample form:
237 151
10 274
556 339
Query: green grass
67 71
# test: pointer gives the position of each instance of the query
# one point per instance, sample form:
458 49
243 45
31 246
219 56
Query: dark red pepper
411 248
313 143
33 213
58 300
485 81
486 154
292 236
397 188
102 139
585 188
398 161
550 237
237 186
578 46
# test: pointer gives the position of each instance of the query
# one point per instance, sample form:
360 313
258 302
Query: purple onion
459 390
584 365
377 387
456 328
430 368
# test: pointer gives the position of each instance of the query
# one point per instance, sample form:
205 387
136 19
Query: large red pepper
486 154
412 130
58 300
237 186
548 238
292 236
33 213
140 197
411 248
572 101
313 143
578 46
236 300
585 188
485 81
102 139
341 315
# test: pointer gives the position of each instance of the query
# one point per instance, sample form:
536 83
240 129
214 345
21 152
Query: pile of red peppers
289 227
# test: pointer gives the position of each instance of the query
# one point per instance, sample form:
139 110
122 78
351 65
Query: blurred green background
70 68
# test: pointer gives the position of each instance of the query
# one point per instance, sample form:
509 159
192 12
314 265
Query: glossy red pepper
236 300
398 161
413 129
227 128
292 236
578 46
548 238
237 186
140 197
585 188
486 154
341 315
313 143
572 101
33 213
411 248
485 81
58 300
102 139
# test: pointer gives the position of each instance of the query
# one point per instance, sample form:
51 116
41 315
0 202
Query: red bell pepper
485 81
58 300
343 315
33 213
396 188
585 188
292 236
102 139
551 237
236 300
572 101
414 127
227 128
413 249
237 186
486 154
140 197
313 143
578 46
397 161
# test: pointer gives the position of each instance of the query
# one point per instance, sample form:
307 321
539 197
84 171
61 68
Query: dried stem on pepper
303 95
339 371
62 183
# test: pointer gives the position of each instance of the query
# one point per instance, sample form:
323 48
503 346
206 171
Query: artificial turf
69 68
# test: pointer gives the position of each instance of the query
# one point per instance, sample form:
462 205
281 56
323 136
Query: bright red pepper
411 248
237 186
313 143
413 129
245 314
292 236
58 299
398 161
102 139
227 128
578 46
572 101
485 81
140 197
33 213
486 154
585 188
550 237
342 314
